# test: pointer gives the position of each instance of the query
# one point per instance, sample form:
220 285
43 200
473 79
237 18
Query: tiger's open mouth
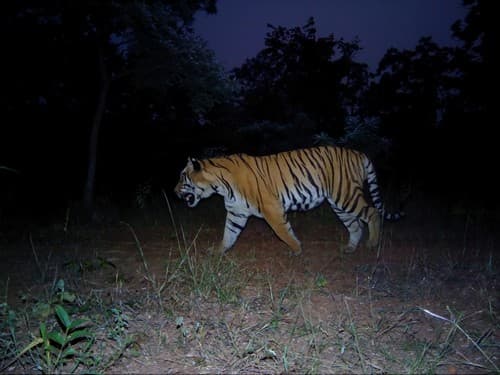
188 198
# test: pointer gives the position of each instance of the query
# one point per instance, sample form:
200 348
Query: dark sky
238 29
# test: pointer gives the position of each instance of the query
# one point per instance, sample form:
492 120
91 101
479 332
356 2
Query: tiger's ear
195 164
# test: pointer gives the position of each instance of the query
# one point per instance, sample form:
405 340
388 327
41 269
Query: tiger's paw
221 250
294 253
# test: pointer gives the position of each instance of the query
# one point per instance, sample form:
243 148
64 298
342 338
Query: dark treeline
104 97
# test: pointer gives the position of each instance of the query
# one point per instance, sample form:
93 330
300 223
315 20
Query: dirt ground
426 301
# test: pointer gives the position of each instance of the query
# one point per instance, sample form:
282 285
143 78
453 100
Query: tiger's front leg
235 222
277 220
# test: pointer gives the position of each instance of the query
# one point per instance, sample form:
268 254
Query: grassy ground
141 294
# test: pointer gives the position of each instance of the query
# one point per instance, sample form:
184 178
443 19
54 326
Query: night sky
238 29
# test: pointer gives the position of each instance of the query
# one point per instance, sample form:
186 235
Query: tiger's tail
374 190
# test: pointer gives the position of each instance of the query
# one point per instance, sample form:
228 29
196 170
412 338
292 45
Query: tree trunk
89 190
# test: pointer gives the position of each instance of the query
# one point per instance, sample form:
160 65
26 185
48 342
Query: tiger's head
195 183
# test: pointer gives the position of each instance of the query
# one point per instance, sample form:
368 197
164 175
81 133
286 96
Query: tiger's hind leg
374 225
354 222
278 221
354 226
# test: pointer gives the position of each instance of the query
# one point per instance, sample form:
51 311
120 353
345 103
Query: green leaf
11 318
43 331
63 316
68 297
42 310
78 334
60 285
69 352
78 323
57 338
53 350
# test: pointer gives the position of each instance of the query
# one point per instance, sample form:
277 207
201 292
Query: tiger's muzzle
189 198
187 194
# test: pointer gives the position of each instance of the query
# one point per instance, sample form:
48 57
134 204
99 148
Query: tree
300 73
432 104
472 132
112 51
475 57
410 94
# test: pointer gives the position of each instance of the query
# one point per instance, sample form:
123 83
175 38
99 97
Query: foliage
42 309
361 134
70 343
475 59
411 89
166 57
133 39
63 344
299 72
266 137
8 339
431 103
118 63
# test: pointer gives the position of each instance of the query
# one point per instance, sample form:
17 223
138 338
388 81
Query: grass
167 304
455 325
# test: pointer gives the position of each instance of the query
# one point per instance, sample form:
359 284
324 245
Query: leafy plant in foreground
68 343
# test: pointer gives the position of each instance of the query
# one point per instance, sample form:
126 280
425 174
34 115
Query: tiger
270 186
